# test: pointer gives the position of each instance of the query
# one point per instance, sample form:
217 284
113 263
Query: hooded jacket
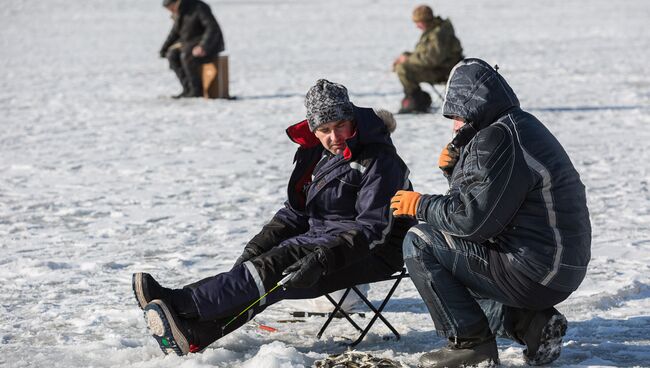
343 207
514 188
195 25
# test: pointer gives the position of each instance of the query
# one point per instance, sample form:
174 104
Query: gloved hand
405 203
163 53
247 254
448 158
308 270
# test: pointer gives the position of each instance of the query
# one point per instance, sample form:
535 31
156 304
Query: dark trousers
453 277
188 68
412 75
225 295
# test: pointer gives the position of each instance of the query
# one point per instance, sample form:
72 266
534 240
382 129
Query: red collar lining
301 134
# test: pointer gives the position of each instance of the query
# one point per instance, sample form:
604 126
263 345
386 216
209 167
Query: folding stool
376 311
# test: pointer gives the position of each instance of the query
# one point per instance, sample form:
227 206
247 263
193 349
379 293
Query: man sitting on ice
334 231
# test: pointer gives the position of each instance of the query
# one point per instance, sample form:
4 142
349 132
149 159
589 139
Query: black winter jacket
514 188
343 208
195 25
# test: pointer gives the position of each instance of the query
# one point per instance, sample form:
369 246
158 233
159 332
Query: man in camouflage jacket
435 54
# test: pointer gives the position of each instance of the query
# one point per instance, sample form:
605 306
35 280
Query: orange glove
405 203
448 158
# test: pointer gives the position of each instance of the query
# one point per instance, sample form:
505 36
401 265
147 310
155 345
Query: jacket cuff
423 204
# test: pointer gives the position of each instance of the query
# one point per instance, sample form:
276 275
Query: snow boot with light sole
544 337
166 328
146 289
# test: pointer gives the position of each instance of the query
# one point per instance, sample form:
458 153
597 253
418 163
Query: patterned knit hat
423 13
327 102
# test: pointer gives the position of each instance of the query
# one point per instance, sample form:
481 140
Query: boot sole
138 290
550 345
164 328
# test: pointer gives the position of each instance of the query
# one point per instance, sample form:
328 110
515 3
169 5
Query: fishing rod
280 283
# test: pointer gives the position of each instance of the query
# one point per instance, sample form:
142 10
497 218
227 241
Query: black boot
183 79
422 101
183 94
179 335
416 102
543 336
146 289
408 105
479 347
462 354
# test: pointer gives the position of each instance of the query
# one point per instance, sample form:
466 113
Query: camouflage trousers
412 75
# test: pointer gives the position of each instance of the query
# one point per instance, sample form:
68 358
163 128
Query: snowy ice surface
102 175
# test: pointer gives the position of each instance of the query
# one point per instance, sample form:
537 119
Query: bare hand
400 59
198 51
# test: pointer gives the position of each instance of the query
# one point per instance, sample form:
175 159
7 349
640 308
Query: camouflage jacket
437 47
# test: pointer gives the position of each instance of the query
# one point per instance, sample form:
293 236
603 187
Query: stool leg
337 308
377 311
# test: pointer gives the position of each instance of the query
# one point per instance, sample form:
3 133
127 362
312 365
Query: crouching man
511 238
335 230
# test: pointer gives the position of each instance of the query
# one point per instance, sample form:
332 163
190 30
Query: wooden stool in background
214 77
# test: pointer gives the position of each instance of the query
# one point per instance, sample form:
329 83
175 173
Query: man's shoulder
385 155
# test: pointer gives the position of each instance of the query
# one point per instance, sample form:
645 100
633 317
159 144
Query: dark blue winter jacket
344 206
514 188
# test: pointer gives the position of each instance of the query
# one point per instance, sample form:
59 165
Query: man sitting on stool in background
437 51
194 39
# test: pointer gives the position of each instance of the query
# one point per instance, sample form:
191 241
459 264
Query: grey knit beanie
327 102
168 2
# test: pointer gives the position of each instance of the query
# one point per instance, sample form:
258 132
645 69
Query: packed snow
103 175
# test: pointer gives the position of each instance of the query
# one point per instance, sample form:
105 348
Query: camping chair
377 311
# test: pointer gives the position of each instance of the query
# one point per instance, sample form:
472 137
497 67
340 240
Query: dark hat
327 102
168 2
423 13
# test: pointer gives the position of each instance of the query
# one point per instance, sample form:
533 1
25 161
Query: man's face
173 7
458 123
332 135
421 26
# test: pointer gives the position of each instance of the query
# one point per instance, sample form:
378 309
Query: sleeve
171 39
427 52
285 224
212 29
491 189
385 176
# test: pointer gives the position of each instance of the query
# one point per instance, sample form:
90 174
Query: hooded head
327 102
477 93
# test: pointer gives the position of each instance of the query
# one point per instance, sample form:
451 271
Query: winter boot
408 105
543 337
422 101
462 353
418 102
183 94
146 289
182 78
179 335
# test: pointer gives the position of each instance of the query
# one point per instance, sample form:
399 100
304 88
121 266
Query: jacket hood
477 93
371 127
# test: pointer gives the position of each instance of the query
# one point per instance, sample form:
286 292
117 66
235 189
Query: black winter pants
454 279
188 68
225 295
